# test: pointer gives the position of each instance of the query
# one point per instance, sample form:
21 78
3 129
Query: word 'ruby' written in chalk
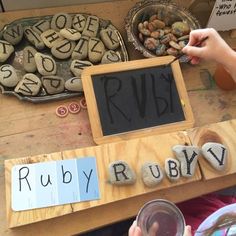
54 183
137 99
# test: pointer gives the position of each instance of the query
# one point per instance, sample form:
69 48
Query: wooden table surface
30 129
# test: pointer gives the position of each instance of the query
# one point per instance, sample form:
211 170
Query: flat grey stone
53 84
120 173
70 34
41 26
8 76
109 38
152 174
79 22
110 57
78 66
63 49
60 21
216 154
29 85
74 84
96 50
46 65
91 26
28 59
34 38
81 49
187 156
172 169
13 34
6 49
51 37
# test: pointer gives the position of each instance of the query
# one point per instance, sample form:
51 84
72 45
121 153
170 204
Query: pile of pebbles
162 38
79 38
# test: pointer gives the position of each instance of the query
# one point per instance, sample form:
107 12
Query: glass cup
161 218
223 79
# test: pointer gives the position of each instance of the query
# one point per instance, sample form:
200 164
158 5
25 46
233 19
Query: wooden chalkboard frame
93 111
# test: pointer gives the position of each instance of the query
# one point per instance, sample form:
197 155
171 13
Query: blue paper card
68 183
23 187
46 184
54 183
88 181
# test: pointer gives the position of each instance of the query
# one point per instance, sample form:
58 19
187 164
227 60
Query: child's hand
187 231
134 230
214 48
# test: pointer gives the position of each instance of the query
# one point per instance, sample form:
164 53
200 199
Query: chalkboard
135 98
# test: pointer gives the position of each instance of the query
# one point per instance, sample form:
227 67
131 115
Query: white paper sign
223 16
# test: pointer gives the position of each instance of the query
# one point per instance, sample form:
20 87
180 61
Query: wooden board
223 132
107 127
135 152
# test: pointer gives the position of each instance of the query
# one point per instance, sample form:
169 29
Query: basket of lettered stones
41 58
159 28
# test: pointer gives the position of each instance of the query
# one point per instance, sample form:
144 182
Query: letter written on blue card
88 178
68 183
54 183
23 187
46 184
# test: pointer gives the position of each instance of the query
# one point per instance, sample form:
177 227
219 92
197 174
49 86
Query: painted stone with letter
8 76
110 57
81 49
41 26
53 84
91 26
79 22
172 169
77 66
187 156
96 50
51 37
46 65
70 34
152 174
109 38
120 173
14 34
61 21
6 49
63 49
216 154
34 38
29 85
74 84
29 63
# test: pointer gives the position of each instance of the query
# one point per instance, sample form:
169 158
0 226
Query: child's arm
214 48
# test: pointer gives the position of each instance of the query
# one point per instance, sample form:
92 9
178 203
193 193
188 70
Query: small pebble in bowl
163 39
159 28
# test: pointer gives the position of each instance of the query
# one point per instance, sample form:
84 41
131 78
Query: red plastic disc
74 107
62 111
83 103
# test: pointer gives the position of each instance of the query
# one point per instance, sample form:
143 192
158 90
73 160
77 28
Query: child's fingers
132 228
153 229
187 231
